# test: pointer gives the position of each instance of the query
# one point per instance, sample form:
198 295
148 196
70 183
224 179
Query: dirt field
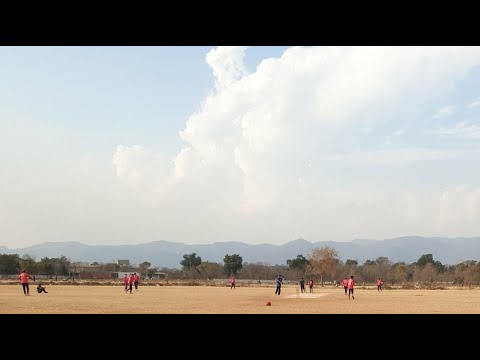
68 299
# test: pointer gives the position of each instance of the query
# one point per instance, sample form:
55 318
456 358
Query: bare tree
323 261
426 275
401 273
253 271
210 270
144 268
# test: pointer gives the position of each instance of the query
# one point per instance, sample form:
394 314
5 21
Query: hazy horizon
197 145
243 242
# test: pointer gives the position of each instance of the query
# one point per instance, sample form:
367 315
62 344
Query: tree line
323 265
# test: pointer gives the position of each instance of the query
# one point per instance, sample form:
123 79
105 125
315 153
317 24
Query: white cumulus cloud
227 64
260 148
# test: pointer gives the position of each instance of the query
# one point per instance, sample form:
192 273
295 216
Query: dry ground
68 299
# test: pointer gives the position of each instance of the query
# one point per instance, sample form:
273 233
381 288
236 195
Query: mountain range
168 254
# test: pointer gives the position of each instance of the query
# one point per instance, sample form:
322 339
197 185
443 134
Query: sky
130 145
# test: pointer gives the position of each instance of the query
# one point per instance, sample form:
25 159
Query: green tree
439 266
299 263
382 260
190 261
47 266
29 264
9 264
351 262
232 264
144 268
323 261
424 260
63 265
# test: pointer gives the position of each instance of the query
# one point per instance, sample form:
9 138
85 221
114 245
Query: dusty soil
112 299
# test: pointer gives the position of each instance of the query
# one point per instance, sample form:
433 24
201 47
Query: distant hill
169 254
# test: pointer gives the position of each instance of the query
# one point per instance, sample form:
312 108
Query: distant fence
88 275
37 277
252 281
